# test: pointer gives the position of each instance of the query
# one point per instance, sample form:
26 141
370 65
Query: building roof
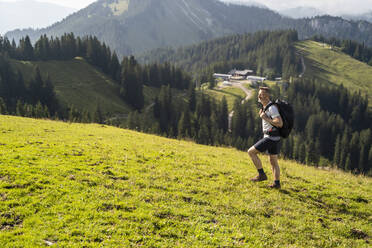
256 78
244 72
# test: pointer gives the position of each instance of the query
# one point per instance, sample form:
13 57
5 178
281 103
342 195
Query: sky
330 6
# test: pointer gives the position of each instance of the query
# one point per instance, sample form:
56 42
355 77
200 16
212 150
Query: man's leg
255 159
257 162
276 171
275 166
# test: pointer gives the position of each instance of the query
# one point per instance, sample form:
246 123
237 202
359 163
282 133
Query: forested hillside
125 80
270 54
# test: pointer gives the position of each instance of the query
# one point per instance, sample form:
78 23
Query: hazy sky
76 4
329 6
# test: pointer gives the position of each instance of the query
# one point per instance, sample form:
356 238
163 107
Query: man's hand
264 116
276 122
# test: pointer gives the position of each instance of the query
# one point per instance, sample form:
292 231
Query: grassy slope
230 93
336 67
78 83
78 185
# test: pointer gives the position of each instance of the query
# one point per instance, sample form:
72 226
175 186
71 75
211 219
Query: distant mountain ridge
133 27
30 14
365 17
301 12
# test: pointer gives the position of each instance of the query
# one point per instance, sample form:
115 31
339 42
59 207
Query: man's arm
276 122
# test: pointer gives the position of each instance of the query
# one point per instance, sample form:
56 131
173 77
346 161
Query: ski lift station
255 79
223 76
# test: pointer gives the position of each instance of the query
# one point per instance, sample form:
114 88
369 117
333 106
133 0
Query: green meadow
333 66
231 94
90 185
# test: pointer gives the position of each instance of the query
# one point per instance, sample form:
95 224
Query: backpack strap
268 106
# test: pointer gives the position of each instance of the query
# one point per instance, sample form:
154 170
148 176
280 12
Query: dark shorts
269 145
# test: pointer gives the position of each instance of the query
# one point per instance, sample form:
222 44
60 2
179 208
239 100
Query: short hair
266 89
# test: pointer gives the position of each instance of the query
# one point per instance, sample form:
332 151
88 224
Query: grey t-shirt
272 112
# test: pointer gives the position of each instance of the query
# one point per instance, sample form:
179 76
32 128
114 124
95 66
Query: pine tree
86 117
348 163
239 120
46 113
39 110
302 153
223 119
203 134
20 108
3 108
310 152
354 151
27 49
336 157
98 115
362 153
36 86
115 68
192 98
133 120
184 125
131 86
369 166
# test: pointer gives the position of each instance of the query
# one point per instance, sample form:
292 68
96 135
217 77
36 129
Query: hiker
271 121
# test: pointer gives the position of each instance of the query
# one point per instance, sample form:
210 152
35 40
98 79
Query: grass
333 66
78 83
231 94
88 185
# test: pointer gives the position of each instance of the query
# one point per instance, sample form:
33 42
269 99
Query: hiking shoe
259 178
274 186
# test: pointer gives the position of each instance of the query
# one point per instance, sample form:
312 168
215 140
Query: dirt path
249 94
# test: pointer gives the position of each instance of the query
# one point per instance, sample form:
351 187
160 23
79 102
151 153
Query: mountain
68 185
30 14
136 26
132 27
301 12
246 3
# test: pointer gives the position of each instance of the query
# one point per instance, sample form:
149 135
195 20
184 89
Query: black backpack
287 114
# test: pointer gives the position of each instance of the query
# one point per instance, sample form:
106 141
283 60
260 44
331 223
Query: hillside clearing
231 94
79 84
333 66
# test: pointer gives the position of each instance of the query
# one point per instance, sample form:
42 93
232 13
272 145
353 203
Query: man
271 121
